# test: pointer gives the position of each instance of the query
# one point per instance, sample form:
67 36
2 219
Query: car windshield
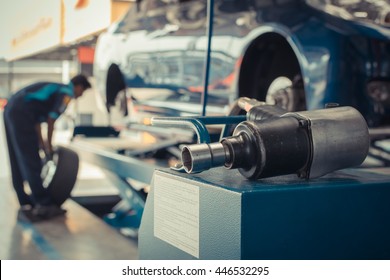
176 70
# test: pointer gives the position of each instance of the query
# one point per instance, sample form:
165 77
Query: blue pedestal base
218 214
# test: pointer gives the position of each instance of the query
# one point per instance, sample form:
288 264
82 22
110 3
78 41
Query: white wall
4 160
91 103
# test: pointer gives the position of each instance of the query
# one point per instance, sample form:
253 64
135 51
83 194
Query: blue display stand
218 214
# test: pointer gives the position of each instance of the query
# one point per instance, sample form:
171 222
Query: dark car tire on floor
65 176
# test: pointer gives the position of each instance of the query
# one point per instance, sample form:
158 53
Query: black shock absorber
273 142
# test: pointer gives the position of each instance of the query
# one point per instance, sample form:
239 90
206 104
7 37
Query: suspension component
272 142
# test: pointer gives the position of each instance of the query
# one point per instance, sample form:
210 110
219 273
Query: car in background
299 54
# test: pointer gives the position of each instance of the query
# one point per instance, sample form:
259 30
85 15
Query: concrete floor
78 235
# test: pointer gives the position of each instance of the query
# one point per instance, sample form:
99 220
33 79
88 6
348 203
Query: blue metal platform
220 215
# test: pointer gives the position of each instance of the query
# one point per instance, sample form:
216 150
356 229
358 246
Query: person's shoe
46 212
26 214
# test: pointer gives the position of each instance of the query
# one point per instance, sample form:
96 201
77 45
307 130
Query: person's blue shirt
47 99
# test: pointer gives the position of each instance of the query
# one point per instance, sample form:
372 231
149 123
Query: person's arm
40 138
50 129
58 108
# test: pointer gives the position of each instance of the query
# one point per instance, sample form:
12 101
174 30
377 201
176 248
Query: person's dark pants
23 147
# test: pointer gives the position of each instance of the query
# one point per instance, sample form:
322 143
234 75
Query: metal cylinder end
200 157
186 159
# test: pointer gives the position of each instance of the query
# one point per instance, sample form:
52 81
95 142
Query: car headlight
369 11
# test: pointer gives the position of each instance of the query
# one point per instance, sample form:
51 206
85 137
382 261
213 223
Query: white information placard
176 214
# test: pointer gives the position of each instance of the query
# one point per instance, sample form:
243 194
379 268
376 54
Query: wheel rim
285 93
277 93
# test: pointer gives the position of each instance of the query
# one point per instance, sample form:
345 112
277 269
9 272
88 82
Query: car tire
66 169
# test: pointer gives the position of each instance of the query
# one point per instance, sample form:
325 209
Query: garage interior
292 164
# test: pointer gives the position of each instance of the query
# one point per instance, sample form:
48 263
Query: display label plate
176 213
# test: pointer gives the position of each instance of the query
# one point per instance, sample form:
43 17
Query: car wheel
62 174
270 71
